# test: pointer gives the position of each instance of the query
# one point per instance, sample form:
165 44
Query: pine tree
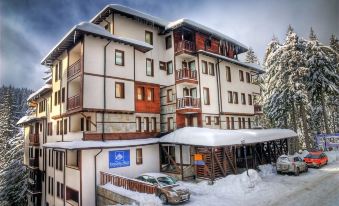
312 35
290 29
334 43
251 57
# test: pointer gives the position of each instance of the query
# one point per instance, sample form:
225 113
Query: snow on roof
95 29
40 91
155 174
252 66
27 119
100 144
133 12
217 137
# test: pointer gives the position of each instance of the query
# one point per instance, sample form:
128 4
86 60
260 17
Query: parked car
316 159
291 164
168 190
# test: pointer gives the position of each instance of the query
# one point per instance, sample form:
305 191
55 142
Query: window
58 189
239 122
206 96
241 75
248 77
204 67
138 124
40 127
49 185
63 94
208 43
243 123
61 128
55 98
154 124
88 123
107 27
191 65
72 195
211 68
58 160
149 67
60 69
57 129
162 65
230 97
52 187
232 122
119 57
243 98
228 74
56 77
65 126
138 156
119 90
62 191
250 99
235 97
140 93
82 124
249 123
169 68
146 124
73 158
149 37
168 40
228 123
169 95
216 120
208 120
150 94
170 124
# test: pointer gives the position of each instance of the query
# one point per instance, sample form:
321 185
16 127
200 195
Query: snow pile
332 156
302 154
142 198
266 170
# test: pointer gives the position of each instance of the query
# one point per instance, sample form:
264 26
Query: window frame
138 159
122 86
235 98
204 67
243 99
152 67
149 90
208 120
169 97
248 77
249 96
216 120
169 69
211 70
164 67
138 124
208 101
122 57
142 89
151 37
241 75
230 97
228 74
168 46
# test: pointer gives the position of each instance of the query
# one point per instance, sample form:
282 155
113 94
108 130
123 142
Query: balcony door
191 120
36 128
191 65
190 92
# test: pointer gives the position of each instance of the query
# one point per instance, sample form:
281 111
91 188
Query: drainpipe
95 175
219 90
103 113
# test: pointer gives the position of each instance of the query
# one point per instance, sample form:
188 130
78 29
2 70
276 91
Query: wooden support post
181 164
212 162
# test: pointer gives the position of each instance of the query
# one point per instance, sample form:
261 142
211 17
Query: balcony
258 109
188 105
184 46
74 102
74 70
34 162
34 139
34 187
186 75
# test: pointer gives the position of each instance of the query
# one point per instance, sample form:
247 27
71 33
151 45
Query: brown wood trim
237 114
120 136
146 83
192 81
111 77
123 57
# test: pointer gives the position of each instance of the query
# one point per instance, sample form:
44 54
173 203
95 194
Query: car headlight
173 194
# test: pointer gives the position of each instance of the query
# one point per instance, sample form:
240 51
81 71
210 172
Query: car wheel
163 198
326 163
306 168
297 171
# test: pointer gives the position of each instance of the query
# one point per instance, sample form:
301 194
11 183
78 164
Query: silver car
291 164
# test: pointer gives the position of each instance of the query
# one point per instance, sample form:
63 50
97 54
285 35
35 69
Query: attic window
107 27
208 43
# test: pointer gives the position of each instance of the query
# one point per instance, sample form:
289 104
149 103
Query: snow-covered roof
130 11
252 66
90 28
217 137
177 23
100 144
154 174
41 91
26 119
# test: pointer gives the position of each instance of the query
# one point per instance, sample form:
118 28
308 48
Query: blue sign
119 158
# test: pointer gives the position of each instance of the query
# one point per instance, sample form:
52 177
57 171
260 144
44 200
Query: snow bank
142 198
266 170
332 156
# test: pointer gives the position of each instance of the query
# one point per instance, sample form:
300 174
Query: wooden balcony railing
184 45
127 183
188 102
73 102
34 162
74 69
186 74
34 139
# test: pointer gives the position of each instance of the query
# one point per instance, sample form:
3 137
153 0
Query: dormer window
107 27
208 43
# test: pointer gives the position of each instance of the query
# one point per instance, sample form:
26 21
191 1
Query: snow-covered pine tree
251 57
334 43
312 35
290 29
12 172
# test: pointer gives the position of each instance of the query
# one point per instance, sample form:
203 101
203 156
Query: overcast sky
30 28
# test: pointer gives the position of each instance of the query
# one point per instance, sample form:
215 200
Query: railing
34 187
186 73
34 139
188 102
185 45
74 69
73 102
34 162
127 183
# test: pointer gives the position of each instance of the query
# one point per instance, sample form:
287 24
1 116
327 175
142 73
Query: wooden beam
219 164
171 159
230 162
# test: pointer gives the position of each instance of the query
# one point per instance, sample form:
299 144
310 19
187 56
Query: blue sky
30 28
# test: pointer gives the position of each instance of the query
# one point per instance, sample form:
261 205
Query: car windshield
284 159
165 181
313 156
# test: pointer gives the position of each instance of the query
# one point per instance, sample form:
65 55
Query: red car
316 159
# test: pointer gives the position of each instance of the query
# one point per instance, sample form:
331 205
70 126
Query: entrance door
36 128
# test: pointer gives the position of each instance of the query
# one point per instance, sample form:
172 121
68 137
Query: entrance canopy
217 137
